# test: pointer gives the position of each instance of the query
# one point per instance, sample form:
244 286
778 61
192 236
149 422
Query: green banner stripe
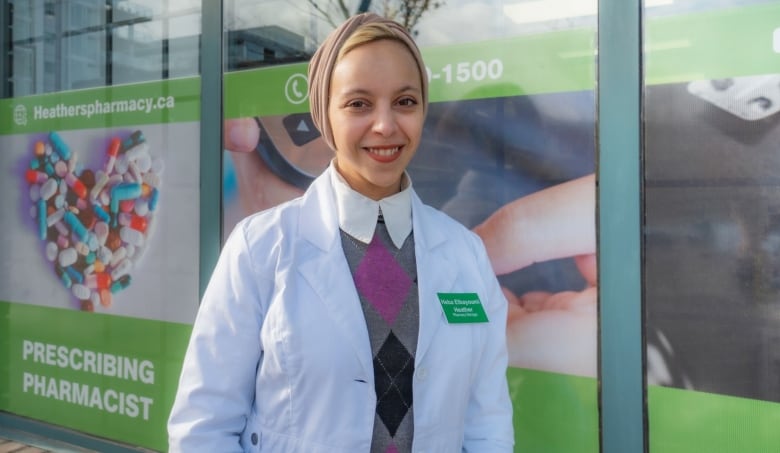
111 376
712 45
554 413
682 421
167 101
546 63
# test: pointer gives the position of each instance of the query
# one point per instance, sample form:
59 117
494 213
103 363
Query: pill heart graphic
94 223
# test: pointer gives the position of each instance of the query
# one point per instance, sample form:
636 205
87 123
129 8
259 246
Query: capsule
101 213
64 277
112 151
59 146
131 236
35 177
98 280
153 199
121 192
74 183
100 182
105 297
74 274
133 221
75 224
42 225
120 284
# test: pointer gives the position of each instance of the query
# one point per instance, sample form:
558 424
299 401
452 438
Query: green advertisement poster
100 255
711 132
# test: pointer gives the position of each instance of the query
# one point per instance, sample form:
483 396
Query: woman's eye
407 102
357 104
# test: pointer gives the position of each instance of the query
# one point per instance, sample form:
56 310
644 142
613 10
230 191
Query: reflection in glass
63 45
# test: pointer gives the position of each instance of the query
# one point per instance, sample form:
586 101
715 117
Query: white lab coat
280 360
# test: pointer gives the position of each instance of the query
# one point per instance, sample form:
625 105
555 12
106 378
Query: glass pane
100 140
510 126
712 290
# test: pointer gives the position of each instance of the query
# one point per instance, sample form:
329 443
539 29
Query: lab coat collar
358 214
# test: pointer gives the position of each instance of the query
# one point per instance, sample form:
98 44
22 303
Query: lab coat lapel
326 270
435 273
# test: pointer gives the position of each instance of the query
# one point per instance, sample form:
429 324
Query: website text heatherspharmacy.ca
87 110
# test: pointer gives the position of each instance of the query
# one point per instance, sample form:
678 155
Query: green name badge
462 308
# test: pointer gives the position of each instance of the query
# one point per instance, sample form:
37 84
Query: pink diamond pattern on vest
382 281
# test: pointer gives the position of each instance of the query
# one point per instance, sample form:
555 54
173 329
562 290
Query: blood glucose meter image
290 148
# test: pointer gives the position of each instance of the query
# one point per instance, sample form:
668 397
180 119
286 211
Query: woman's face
376 115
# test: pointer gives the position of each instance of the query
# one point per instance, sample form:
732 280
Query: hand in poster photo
549 331
546 331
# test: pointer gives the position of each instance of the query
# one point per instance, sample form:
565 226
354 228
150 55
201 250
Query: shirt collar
358 214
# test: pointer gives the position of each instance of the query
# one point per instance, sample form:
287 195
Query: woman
335 322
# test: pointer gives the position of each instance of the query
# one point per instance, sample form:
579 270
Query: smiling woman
358 260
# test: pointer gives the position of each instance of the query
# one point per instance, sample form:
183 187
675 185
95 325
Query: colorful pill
151 179
131 236
42 226
105 254
98 280
62 241
153 199
141 206
64 277
105 297
35 177
48 189
123 191
35 164
60 168
101 213
55 217
59 146
119 254
123 268
80 291
87 305
101 232
39 148
120 284
76 226
94 298
100 182
74 274
78 187
81 248
126 206
133 221
67 257
52 251
98 266
112 151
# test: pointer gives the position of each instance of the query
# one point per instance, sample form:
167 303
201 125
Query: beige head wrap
324 59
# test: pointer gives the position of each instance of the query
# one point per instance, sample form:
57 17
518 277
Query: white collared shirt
358 214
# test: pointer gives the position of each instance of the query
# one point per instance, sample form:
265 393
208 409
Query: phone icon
296 89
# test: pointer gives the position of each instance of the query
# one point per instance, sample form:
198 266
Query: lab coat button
422 373
254 438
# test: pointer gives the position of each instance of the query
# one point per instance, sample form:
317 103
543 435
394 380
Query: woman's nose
384 121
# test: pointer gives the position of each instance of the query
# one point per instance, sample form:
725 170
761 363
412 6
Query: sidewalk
14 441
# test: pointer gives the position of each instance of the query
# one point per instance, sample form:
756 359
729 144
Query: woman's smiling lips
384 154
